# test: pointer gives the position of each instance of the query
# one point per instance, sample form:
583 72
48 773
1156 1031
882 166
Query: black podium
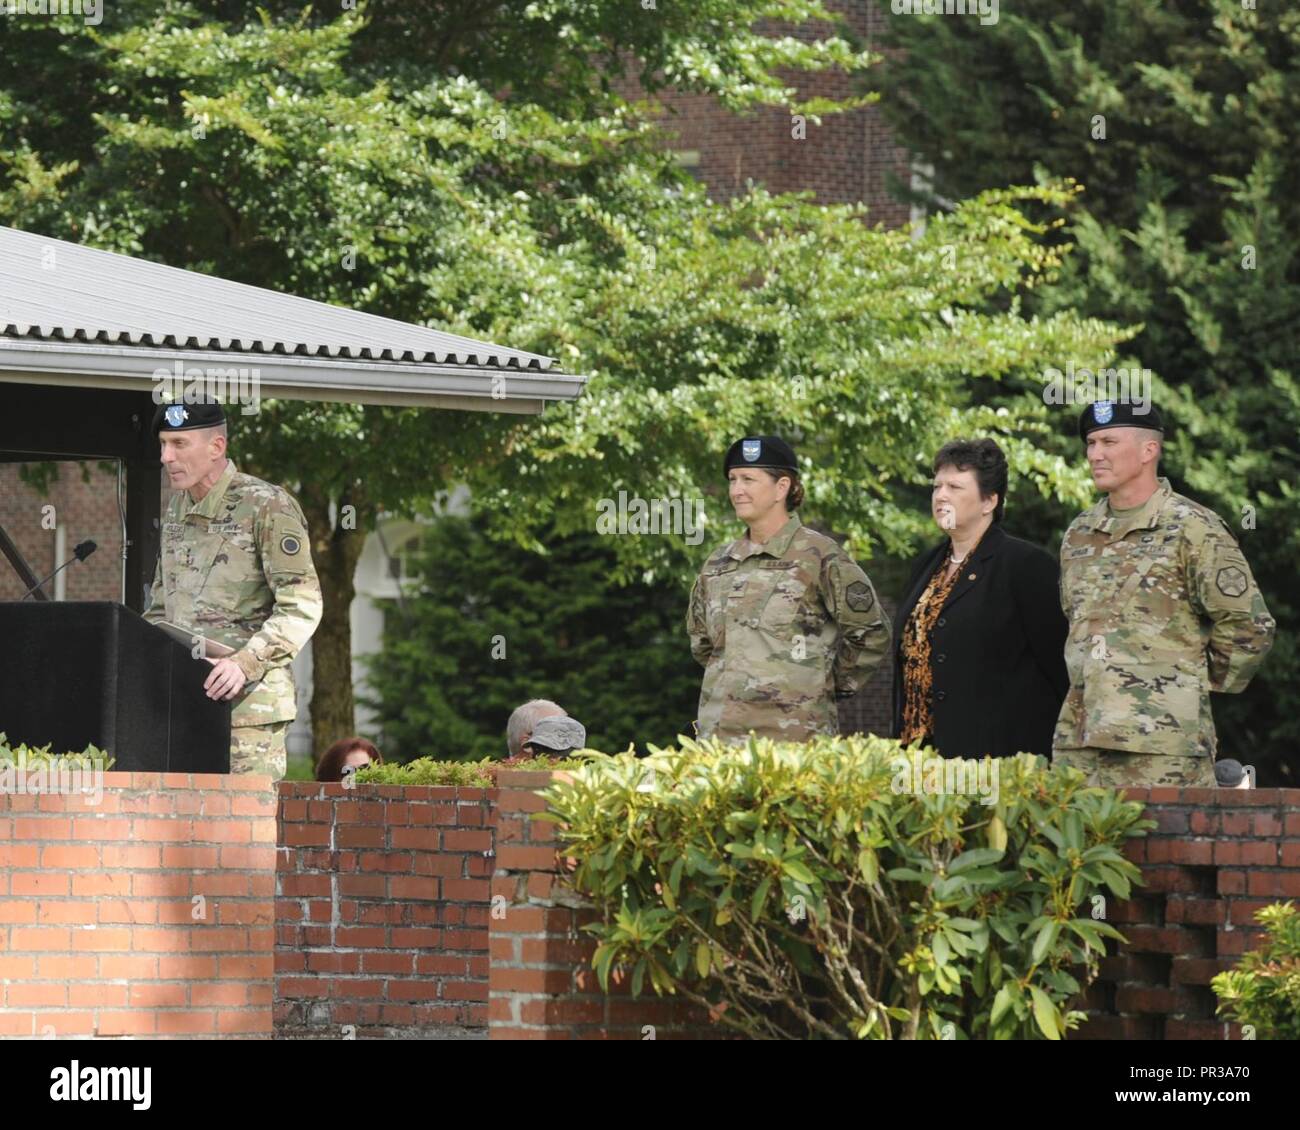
77 673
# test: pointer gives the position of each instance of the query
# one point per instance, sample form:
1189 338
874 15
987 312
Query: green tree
271 149
1178 123
273 152
494 625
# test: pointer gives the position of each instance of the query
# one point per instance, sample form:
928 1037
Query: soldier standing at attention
783 620
1162 608
236 568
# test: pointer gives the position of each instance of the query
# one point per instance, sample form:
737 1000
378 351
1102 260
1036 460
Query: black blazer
997 651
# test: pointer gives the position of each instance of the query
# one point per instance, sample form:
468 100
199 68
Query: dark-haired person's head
345 757
970 485
980 636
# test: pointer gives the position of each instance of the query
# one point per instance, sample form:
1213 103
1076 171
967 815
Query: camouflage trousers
1114 768
259 749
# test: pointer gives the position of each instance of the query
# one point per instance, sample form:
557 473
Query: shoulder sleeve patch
290 545
859 596
1231 581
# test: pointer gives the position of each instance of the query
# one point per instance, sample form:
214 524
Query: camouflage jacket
1163 609
236 567
782 630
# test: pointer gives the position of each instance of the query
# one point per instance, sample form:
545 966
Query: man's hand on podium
226 680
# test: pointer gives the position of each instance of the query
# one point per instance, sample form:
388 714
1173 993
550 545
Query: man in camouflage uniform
783 620
1163 609
236 568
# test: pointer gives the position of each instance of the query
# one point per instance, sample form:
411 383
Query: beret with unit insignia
187 417
760 451
1119 414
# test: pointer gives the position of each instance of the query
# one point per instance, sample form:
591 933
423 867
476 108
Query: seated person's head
345 757
555 737
522 721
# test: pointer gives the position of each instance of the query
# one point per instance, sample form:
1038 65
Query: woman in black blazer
979 636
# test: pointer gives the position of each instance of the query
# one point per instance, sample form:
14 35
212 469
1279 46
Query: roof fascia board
305 378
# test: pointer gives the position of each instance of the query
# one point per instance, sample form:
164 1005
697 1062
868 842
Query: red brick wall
382 911
387 912
97 903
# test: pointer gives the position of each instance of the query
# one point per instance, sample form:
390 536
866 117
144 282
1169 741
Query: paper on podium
211 649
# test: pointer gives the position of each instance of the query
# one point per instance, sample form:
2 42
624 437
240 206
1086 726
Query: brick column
381 919
541 984
1215 857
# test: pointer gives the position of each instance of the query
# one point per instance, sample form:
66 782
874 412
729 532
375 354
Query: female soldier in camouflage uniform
783 620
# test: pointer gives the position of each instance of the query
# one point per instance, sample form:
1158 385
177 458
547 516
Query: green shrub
92 757
1264 990
468 774
800 891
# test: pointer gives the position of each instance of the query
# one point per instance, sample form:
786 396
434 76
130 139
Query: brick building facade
46 521
847 159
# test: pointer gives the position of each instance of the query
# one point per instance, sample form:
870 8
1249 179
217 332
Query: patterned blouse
918 721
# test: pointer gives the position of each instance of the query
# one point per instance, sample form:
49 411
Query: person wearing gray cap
783 620
1163 609
524 718
556 736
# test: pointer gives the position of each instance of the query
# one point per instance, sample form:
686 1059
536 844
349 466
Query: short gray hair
524 719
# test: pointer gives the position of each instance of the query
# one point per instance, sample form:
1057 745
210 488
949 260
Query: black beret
760 451
1119 414
187 417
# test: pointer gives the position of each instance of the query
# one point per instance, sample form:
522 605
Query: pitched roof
100 314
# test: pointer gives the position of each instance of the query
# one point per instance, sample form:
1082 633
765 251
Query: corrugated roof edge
61 333
252 314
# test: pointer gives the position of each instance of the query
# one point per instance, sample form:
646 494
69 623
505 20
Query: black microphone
83 550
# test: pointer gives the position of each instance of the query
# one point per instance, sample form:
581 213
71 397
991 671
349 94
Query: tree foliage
492 626
297 153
